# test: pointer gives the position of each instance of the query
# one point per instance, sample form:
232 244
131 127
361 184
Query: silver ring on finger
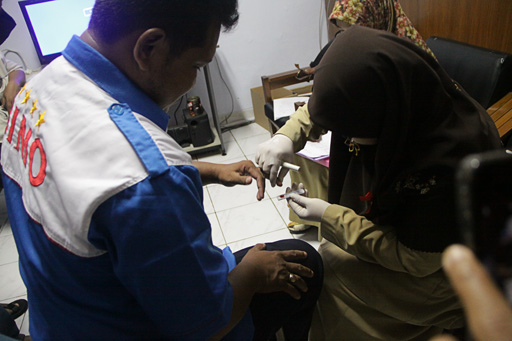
292 278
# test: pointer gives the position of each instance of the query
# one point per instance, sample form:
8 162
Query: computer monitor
52 23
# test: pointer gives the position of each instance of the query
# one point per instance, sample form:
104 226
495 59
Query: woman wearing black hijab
400 125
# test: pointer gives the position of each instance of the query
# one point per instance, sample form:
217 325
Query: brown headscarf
374 84
386 15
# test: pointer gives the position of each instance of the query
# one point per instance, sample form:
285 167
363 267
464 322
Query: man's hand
262 271
275 270
239 173
242 173
311 209
488 312
270 156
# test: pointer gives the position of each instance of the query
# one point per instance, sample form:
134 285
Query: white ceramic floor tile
11 283
5 230
283 209
252 129
251 157
217 236
207 202
8 251
233 151
263 238
224 198
250 221
227 137
250 145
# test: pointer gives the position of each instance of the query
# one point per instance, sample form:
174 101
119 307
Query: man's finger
266 167
291 255
260 181
257 159
258 247
237 179
300 270
292 291
298 282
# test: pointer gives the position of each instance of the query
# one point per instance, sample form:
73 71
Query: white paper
284 107
317 150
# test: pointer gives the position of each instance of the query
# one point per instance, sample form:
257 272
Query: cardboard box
258 101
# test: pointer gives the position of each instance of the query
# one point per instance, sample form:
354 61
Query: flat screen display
52 23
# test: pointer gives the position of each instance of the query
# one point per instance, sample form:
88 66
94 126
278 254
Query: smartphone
484 212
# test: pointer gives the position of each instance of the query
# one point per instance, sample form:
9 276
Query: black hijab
373 84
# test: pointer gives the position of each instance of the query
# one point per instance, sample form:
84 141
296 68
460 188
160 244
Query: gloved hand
311 209
270 156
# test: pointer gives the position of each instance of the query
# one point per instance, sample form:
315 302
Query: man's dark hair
185 22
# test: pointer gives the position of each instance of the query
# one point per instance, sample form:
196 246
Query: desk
501 114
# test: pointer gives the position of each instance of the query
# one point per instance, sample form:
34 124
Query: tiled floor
237 218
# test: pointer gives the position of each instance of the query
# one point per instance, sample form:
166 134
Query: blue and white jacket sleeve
159 240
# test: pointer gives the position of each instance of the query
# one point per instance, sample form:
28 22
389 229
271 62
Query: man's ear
150 44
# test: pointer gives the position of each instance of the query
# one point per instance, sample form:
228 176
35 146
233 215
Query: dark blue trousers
7 325
270 312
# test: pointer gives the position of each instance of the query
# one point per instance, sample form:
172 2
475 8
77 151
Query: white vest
68 156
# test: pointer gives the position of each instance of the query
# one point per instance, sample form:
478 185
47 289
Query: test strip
291 166
287 195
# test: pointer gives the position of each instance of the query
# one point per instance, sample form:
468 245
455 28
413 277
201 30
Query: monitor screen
52 23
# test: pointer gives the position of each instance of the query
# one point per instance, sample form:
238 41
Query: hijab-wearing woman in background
386 15
399 127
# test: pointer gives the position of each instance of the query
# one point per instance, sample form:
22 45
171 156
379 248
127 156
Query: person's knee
313 261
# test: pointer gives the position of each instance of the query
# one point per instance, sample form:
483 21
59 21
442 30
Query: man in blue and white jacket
106 209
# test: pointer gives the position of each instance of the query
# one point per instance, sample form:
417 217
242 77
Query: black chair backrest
485 74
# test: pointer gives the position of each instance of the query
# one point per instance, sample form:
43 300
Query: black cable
230 94
177 108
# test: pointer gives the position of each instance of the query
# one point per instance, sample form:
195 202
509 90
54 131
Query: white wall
271 36
19 40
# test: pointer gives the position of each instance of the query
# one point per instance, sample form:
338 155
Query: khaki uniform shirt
375 288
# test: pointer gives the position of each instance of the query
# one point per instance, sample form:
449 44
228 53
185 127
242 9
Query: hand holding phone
484 212
488 313
484 202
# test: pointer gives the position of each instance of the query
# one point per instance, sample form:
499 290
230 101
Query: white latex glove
270 156
311 209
